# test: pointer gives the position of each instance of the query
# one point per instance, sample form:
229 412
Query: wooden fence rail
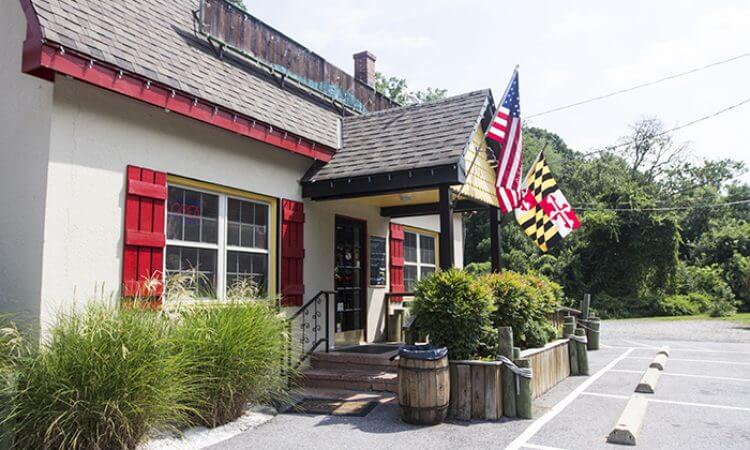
551 365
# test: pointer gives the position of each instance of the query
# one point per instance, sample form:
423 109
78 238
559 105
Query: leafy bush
722 308
236 356
678 305
454 309
103 379
525 303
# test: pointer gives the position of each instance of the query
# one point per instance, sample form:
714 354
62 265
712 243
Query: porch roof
401 149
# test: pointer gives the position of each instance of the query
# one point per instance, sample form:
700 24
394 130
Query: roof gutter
44 59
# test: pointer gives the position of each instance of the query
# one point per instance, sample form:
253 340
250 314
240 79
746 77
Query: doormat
333 407
370 349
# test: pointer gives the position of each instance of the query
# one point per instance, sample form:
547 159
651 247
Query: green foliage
236 354
525 303
103 380
681 305
454 309
397 89
629 260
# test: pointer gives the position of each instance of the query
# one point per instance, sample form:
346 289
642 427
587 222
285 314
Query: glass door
349 281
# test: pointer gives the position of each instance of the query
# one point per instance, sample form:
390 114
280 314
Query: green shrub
102 380
454 309
236 355
524 303
722 308
678 305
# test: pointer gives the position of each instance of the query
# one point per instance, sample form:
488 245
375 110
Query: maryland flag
544 213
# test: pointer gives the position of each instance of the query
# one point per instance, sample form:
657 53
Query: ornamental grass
236 353
102 379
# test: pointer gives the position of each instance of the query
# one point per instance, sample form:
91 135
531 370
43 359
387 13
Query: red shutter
145 238
397 260
292 252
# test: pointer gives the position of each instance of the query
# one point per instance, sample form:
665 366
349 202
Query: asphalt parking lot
702 401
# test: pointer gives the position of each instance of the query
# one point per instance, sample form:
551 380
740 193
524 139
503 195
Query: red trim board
44 60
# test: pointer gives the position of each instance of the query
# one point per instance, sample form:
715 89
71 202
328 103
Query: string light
666 208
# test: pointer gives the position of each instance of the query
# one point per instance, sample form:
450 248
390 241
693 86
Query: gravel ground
677 330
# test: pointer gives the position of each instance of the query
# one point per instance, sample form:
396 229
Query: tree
397 90
649 149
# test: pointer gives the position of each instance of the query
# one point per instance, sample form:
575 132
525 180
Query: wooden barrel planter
423 384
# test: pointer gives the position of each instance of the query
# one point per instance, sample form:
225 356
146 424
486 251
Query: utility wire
638 86
668 208
671 130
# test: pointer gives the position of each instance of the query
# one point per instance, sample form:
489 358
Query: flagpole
496 217
505 94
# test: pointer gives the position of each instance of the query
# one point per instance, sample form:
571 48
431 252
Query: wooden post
524 399
516 353
505 348
585 304
592 333
573 356
569 326
583 358
494 214
446 228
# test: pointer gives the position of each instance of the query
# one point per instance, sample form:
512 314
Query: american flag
506 130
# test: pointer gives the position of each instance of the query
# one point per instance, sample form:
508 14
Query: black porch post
494 238
446 228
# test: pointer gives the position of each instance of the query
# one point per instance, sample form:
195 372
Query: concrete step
350 379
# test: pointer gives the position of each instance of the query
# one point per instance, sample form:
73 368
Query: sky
567 51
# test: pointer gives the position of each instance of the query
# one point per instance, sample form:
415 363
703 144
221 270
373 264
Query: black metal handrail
311 320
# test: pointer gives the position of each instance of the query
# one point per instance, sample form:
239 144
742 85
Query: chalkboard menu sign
377 261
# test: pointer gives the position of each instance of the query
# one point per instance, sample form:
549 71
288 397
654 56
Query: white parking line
709 361
638 344
541 447
537 425
669 402
681 349
671 374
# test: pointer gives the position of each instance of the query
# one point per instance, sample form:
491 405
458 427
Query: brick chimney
364 67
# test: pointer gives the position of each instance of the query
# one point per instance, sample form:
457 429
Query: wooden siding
480 181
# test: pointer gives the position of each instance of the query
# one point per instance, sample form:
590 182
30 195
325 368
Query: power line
668 208
638 86
671 130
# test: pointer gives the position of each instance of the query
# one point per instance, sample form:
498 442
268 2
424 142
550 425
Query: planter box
551 365
476 392
476 386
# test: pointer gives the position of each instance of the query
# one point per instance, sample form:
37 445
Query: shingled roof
155 39
425 135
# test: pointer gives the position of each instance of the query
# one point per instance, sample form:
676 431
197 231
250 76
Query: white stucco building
140 139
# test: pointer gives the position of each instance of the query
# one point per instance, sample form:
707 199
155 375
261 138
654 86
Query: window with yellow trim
223 238
419 257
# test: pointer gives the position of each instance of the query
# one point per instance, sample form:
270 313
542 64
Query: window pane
186 208
192 204
233 233
426 272
410 278
249 268
248 224
427 249
209 231
192 229
194 262
410 247
210 206
234 210
174 226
